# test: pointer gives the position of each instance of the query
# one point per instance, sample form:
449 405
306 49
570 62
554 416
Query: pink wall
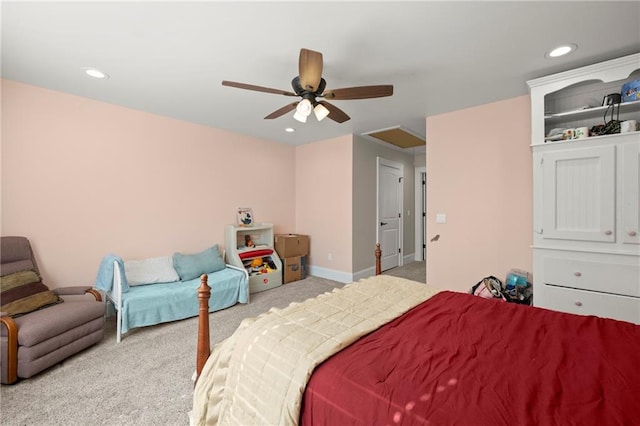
323 189
479 174
82 178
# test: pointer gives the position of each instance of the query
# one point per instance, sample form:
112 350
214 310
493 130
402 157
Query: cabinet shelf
588 113
581 141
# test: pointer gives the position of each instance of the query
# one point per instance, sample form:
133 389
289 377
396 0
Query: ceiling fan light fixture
309 85
300 117
304 107
303 110
321 112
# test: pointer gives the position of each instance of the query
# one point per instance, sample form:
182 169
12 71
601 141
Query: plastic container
631 91
516 278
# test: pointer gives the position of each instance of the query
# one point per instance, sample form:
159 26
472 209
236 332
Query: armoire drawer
590 303
607 277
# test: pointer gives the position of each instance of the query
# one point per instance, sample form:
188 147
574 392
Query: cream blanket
258 375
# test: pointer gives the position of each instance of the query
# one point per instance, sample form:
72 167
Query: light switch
441 218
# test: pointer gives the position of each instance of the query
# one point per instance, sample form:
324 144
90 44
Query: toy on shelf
259 265
245 217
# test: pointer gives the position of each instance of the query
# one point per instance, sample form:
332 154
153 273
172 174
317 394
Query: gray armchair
41 327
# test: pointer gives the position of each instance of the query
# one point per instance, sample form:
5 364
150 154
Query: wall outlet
329 256
441 218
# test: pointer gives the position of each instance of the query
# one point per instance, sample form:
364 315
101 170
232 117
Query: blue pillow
190 266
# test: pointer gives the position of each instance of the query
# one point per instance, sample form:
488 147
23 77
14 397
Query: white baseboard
330 274
364 273
346 277
408 258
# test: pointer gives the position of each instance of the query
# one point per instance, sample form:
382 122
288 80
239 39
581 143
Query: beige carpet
146 379
416 271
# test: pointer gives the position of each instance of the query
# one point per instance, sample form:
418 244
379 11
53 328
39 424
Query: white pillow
150 271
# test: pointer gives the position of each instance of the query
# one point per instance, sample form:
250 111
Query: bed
387 351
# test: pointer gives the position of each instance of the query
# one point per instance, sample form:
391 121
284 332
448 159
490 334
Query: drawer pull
577 274
608 232
578 303
632 233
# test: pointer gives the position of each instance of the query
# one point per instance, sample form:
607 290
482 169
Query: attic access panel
397 136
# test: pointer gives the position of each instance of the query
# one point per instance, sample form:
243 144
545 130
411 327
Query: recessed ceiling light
290 129
95 73
561 50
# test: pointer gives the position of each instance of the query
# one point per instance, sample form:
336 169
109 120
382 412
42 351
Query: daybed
386 350
162 289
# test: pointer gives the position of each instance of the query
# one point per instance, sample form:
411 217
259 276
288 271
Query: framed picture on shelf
245 217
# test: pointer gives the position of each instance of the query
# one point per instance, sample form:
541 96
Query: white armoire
586 219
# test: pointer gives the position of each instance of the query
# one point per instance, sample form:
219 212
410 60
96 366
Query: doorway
420 213
389 205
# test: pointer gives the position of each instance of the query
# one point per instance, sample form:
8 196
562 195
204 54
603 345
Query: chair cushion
18 279
47 347
44 324
20 265
16 255
22 292
30 368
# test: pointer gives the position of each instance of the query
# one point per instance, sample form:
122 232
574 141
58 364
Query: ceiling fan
310 86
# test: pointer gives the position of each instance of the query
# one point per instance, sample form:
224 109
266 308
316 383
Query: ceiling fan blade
335 113
257 88
310 69
361 92
282 111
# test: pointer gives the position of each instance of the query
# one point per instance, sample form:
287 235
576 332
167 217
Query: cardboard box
291 245
291 269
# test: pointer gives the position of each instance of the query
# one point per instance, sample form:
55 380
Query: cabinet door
579 194
630 190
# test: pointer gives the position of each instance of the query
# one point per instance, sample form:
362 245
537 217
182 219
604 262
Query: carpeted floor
145 379
416 271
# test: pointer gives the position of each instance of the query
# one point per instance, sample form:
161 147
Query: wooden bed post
204 348
378 255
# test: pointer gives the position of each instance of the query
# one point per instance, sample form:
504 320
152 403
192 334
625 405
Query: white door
390 176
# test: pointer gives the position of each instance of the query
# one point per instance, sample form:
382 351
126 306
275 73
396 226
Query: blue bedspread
104 279
151 304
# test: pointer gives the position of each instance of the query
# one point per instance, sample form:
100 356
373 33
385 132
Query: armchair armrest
12 346
78 290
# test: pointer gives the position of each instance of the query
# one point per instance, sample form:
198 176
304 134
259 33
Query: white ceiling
169 58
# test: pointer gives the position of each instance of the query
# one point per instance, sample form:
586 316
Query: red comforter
457 359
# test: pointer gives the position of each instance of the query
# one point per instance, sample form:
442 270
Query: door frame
420 214
380 161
